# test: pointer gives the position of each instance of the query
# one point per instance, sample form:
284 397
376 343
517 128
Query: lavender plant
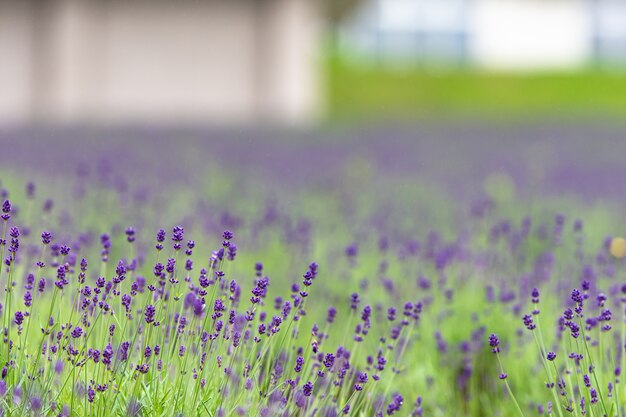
151 332
173 316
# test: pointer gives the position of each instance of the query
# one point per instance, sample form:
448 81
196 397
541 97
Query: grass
365 90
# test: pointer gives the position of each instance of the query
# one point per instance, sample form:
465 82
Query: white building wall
168 61
15 61
288 50
530 34
217 61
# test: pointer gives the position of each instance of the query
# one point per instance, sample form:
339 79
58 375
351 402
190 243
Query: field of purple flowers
462 271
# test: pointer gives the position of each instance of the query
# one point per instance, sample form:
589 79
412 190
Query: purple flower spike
494 342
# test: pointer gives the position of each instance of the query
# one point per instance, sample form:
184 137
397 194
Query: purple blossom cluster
140 322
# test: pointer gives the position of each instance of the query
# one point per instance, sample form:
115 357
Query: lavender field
460 270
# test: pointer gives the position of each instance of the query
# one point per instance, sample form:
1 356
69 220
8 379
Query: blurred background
445 92
302 62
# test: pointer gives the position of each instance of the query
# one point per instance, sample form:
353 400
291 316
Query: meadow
311 274
362 88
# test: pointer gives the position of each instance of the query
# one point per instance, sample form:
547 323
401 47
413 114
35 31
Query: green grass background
358 88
